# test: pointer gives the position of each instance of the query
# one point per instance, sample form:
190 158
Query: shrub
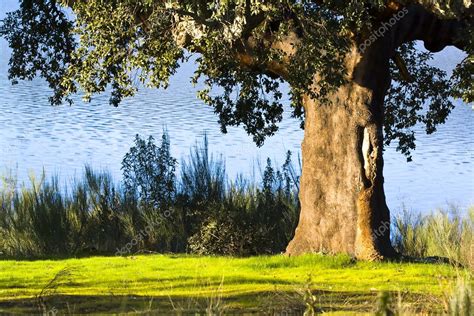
149 180
251 219
149 172
202 187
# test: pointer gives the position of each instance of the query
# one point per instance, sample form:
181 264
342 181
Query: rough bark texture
343 206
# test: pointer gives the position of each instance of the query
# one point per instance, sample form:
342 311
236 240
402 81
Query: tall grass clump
445 233
460 302
456 301
202 187
44 219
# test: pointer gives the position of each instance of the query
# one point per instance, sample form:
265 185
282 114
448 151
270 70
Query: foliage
251 219
407 105
463 85
243 54
40 35
45 219
202 186
203 177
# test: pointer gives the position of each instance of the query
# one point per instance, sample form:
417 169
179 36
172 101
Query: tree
356 77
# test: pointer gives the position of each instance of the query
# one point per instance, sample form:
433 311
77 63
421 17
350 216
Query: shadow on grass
267 303
58 257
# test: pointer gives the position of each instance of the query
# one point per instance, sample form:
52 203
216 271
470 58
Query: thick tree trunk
343 206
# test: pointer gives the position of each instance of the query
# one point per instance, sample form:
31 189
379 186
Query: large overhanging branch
441 8
435 32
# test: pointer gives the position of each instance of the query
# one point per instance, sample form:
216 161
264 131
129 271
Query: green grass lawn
166 283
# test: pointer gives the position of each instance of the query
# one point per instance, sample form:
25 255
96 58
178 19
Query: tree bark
343 207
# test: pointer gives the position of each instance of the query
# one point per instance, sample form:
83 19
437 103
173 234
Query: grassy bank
173 283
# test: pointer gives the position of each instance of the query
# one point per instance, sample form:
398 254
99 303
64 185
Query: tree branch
435 32
402 67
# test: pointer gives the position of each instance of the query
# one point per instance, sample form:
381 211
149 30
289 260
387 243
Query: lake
36 135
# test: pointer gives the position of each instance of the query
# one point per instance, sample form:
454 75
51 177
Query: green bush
149 173
251 219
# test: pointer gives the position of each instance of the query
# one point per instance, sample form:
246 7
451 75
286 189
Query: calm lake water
35 135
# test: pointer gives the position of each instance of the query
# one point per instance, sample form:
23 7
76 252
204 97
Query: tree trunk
343 206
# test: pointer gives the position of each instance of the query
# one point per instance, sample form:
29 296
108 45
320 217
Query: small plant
443 234
212 304
408 238
215 303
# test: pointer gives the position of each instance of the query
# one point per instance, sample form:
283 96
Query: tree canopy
245 50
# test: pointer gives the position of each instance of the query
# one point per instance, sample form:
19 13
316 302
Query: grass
443 233
166 283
